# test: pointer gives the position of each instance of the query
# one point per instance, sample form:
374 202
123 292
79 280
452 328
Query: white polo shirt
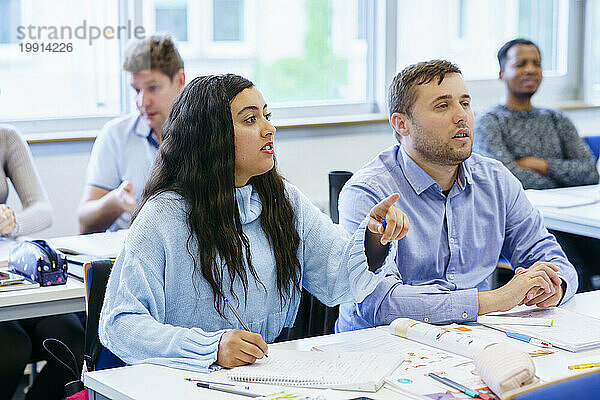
124 151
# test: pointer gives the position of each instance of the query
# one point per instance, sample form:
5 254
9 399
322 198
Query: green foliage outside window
317 75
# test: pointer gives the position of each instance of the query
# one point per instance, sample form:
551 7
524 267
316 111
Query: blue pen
458 386
528 339
383 223
218 383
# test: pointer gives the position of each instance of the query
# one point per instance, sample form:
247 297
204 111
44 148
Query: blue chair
580 387
594 143
96 356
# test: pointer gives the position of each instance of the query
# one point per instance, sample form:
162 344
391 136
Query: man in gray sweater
540 146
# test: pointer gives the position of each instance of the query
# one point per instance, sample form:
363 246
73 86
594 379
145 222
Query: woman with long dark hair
217 222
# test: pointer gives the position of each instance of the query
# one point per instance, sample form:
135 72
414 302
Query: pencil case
38 262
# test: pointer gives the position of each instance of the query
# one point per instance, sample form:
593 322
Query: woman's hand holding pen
396 222
239 347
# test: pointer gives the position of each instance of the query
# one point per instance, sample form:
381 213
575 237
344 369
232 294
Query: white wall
305 157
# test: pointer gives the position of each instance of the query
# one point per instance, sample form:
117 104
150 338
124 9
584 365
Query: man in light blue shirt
125 150
464 211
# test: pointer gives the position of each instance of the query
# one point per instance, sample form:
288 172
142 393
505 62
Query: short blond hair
156 52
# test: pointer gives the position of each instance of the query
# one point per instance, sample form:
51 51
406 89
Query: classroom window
310 58
596 52
68 76
461 24
362 15
315 56
10 17
172 16
228 20
490 23
592 68
540 21
299 52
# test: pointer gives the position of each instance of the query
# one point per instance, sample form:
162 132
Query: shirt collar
141 128
420 181
416 177
464 176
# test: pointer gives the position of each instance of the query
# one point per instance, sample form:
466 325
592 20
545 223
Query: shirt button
464 315
451 276
426 319
451 240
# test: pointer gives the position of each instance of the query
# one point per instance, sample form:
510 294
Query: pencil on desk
583 366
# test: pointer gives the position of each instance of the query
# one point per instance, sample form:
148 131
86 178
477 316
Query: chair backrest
337 179
594 143
96 276
313 317
585 386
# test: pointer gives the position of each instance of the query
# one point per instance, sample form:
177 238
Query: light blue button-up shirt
453 243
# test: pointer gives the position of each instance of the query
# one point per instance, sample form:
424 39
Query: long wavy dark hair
197 160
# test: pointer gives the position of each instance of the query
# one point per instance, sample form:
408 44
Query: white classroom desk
60 299
581 220
42 301
155 382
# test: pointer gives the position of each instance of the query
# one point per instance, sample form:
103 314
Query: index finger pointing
381 209
390 200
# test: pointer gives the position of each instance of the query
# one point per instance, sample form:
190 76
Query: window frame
591 84
381 67
555 88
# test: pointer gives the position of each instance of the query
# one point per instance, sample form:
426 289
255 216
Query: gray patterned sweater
508 135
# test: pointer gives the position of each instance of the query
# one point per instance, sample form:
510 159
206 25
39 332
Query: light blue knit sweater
155 312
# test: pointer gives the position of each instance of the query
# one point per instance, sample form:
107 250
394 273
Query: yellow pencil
582 366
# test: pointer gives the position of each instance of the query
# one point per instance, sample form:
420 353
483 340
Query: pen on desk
583 366
218 383
227 389
528 339
458 386
237 316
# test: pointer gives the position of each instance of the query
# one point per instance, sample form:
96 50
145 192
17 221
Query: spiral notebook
344 371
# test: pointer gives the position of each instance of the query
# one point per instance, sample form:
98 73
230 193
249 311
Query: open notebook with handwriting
345 371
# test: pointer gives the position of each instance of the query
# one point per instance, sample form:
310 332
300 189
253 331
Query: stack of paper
10 282
544 198
570 331
106 244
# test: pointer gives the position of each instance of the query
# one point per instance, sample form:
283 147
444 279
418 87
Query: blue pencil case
37 261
